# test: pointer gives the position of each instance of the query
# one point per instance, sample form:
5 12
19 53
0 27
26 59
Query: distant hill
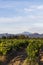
31 35
6 35
36 35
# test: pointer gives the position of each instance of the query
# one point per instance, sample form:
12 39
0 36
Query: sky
17 16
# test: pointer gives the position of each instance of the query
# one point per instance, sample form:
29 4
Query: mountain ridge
29 34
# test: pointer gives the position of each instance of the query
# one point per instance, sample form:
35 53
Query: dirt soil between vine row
17 58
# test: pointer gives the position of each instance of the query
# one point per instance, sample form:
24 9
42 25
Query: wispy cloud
4 4
22 19
33 8
40 7
28 10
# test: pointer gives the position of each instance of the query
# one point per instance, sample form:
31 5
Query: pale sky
17 16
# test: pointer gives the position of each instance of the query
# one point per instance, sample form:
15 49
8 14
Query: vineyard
32 48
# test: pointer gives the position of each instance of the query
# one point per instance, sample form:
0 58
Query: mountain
33 35
36 35
30 35
26 33
6 35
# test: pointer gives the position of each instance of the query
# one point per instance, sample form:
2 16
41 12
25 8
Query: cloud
7 6
40 7
38 24
13 30
9 20
29 18
29 23
18 19
28 10
34 8
36 29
